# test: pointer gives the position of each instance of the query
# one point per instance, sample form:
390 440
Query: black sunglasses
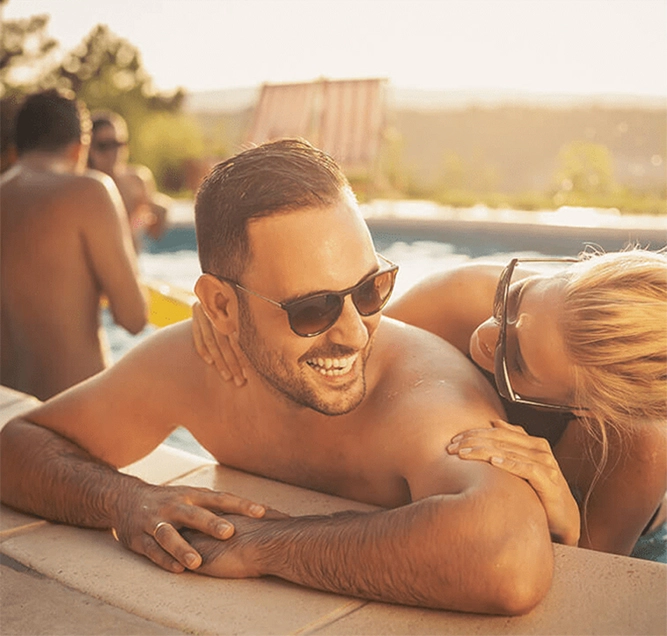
313 315
105 146
501 371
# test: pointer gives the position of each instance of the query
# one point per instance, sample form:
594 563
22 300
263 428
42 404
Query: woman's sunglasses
106 146
501 368
314 314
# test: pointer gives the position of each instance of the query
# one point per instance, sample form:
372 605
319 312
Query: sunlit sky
575 47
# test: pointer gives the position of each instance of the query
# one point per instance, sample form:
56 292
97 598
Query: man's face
108 147
295 254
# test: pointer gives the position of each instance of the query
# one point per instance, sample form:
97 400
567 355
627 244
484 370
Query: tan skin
452 534
632 484
146 207
65 243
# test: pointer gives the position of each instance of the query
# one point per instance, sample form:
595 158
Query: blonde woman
579 358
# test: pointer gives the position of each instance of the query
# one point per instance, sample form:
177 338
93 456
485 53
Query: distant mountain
236 99
507 141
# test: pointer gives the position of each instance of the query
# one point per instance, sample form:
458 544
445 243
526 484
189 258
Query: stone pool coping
63 580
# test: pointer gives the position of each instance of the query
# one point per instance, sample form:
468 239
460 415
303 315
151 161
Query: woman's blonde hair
615 330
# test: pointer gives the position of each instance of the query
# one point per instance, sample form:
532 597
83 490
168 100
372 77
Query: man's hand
215 348
510 448
238 557
150 526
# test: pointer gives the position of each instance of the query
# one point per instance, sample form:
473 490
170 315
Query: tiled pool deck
63 580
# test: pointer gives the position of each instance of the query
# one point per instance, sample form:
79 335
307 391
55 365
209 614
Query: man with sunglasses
337 399
147 209
65 242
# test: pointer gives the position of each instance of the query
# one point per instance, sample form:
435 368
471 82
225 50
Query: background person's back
64 241
60 245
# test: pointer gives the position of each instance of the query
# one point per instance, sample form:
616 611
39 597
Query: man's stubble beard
276 373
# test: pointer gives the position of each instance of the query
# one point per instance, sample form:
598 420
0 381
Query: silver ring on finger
158 526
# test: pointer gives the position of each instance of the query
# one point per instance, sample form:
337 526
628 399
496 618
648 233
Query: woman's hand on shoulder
215 348
511 449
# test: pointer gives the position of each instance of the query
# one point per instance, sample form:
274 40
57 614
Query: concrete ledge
90 584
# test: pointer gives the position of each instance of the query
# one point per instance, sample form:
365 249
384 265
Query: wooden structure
345 118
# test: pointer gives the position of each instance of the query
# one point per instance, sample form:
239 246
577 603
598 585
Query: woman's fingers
210 343
228 358
215 348
228 503
538 470
503 435
197 334
531 460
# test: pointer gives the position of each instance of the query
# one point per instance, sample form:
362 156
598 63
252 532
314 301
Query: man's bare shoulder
94 181
428 385
171 349
123 412
412 357
424 393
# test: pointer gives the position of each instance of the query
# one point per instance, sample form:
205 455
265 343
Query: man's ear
219 302
77 153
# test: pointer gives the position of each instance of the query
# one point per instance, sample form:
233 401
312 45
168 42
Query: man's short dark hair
50 121
102 118
276 177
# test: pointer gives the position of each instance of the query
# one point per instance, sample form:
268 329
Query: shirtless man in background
338 399
147 209
65 243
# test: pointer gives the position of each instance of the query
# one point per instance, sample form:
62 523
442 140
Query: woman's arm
450 304
626 492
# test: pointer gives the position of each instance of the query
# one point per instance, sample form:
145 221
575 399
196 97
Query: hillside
505 146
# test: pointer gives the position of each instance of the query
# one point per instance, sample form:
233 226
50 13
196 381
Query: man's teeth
332 366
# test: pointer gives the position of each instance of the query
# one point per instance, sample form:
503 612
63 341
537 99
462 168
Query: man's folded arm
486 549
45 474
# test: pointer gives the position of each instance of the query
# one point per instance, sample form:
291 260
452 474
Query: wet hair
273 178
615 331
49 121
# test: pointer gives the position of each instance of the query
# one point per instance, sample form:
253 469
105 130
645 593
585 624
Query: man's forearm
45 474
434 553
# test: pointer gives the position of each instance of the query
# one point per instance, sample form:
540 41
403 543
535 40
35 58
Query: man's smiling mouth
332 367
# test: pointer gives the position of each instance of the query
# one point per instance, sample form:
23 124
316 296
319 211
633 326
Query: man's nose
349 330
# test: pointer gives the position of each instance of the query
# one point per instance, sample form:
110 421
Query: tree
585 168
27 54
106 71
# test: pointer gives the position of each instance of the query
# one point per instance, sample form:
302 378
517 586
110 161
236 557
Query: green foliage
106 71
165 141
26 55
458 175
585 168
624 201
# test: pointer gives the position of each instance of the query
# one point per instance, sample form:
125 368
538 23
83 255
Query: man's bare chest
355 464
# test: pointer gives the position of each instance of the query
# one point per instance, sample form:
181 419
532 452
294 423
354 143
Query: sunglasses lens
372 295
105 146
315 315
